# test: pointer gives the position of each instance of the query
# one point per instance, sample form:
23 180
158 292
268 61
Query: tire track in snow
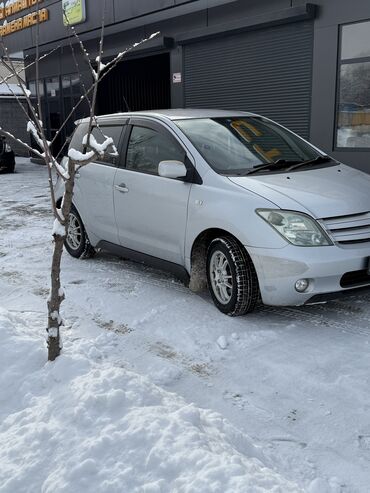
318 320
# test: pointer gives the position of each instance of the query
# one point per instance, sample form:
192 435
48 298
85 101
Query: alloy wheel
221 277
74 235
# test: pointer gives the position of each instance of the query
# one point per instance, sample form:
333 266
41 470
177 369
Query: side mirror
172 169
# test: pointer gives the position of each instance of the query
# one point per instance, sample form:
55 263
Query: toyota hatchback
224 199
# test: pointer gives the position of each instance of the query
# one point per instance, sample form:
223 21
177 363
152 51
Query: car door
94 184
151 211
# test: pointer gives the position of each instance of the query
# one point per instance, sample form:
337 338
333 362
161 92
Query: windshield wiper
288 165
317 160
279 164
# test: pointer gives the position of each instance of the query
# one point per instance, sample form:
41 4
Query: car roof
171 114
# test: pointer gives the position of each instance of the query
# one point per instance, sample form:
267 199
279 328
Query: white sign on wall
74 12
177 77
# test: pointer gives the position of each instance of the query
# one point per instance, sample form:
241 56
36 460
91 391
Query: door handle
121 188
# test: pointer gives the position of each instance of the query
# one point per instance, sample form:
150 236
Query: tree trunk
56 294
55 300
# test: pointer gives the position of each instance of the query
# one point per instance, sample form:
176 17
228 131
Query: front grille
355 278
348 230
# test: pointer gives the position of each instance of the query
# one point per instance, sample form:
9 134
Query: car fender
232 209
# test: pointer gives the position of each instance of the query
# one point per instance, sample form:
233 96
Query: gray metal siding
268 71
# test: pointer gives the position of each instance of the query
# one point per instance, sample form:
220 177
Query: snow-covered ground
157 391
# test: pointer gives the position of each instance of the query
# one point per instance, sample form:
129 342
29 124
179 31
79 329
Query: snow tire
82 247
245 292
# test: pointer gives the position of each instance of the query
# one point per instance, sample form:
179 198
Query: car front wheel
232 279
77 242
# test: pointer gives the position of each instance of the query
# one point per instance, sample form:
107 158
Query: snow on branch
89 140
60 216
103 71
26 91
119 57
31 129
78 157
60 169
101 67
24 144
59 229
96 149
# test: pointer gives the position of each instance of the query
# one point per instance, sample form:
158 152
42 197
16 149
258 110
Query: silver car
224 199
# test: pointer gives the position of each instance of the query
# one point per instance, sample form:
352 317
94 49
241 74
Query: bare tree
76 159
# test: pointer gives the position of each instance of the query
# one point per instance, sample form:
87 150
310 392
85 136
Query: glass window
101 134
66 84
79 134
52 87
356 40
236 145
353 115
147 148
32 88
76 85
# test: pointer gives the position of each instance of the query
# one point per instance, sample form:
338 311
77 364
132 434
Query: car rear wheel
77 242
232 279
8 168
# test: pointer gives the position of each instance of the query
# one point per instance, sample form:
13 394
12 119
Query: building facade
305 65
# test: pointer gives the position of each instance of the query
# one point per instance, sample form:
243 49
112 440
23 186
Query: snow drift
85 424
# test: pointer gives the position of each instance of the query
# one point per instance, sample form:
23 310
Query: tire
77 242
232 278
7 169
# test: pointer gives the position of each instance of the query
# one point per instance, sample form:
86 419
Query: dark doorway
134 85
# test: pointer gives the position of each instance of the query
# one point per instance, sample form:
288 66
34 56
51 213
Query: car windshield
240 145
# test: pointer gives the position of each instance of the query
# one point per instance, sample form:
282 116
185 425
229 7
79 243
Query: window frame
340 63
156 127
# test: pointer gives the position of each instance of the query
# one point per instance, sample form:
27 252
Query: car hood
326 192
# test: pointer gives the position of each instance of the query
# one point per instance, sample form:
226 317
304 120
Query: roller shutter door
268 71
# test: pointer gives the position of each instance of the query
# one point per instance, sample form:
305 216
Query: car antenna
127 106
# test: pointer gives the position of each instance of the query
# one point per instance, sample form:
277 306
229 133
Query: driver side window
148 147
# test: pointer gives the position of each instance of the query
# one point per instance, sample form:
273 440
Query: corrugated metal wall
268 71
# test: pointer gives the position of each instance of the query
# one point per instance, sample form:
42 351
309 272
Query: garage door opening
134 85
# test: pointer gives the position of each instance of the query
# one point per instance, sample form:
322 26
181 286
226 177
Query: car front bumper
279 269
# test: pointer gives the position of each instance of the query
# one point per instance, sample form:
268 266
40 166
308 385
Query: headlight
8 148
299 229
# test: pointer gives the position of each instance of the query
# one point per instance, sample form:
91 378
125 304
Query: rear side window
79 134
100 134
147 148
